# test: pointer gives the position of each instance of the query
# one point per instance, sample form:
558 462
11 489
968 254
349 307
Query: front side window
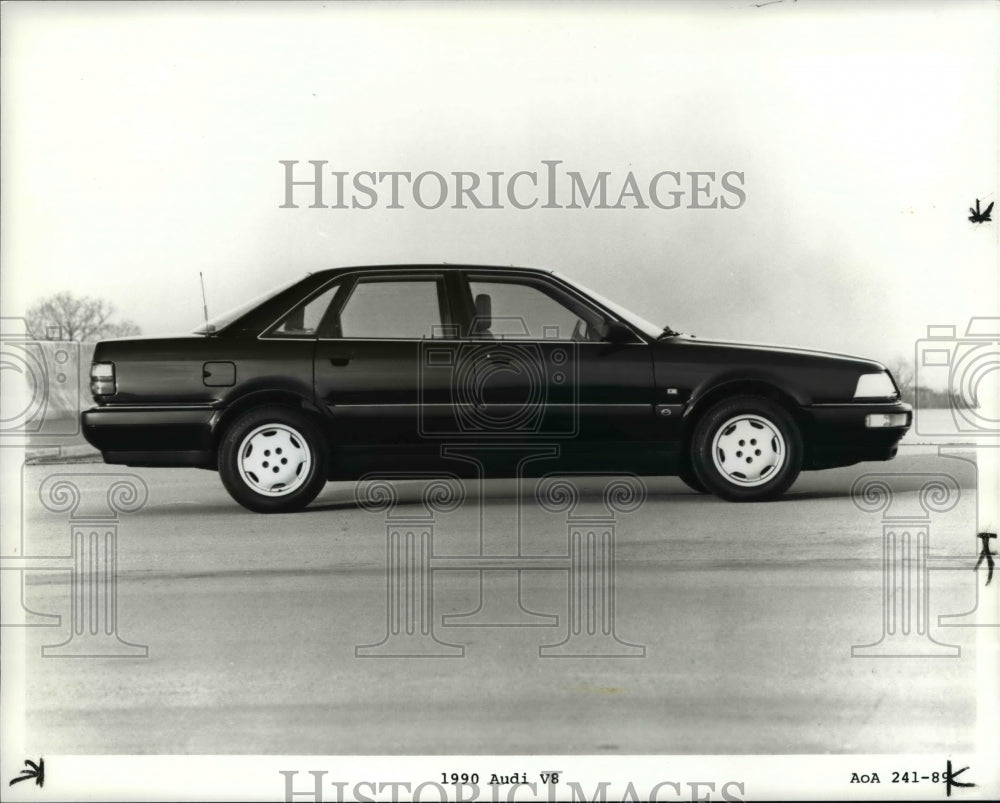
512 310
649 329
405 309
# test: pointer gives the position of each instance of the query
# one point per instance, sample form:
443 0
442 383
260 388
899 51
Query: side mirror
617 332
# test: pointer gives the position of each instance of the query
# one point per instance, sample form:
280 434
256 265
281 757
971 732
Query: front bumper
152 435
836 434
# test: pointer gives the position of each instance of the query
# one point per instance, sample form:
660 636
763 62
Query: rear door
369 354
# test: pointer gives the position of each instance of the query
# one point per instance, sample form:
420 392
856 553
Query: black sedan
476 371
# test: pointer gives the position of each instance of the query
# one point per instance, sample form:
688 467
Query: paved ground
747 615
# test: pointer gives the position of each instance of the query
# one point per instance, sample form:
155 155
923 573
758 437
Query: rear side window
304 320
403 309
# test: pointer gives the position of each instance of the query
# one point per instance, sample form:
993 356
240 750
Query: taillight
102 378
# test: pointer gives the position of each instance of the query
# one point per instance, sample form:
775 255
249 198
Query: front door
542 369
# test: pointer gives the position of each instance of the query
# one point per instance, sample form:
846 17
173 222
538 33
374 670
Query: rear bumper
836 435
152 436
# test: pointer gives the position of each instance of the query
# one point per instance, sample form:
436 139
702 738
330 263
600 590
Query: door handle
341 359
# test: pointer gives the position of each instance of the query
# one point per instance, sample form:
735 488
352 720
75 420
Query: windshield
220 322
646 327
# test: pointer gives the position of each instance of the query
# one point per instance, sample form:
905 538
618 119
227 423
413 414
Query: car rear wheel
690 479
747 449
273 460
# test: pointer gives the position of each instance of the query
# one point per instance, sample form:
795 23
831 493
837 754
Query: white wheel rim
274 460
748 450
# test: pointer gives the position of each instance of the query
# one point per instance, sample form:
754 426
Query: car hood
773 351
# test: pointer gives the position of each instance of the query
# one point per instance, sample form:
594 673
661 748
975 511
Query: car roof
429 267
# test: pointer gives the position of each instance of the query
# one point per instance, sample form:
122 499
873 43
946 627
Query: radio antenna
204 303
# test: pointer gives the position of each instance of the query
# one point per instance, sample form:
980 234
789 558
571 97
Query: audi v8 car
476 371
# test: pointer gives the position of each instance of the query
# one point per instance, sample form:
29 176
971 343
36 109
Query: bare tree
65 316
902 371
921 395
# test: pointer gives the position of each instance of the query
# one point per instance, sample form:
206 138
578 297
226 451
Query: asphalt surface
747 615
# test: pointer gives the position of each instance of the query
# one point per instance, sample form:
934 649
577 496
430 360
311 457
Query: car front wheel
273 460
747 449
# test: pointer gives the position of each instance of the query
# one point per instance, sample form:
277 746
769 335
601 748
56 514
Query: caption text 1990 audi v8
467 369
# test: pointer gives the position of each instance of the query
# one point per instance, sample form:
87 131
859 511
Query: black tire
747 429
275 439
690 479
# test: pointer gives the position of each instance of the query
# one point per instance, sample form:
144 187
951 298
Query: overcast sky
141 145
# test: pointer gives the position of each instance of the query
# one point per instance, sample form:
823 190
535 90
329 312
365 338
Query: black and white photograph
508 401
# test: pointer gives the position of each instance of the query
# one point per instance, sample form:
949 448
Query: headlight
875 386
102 378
